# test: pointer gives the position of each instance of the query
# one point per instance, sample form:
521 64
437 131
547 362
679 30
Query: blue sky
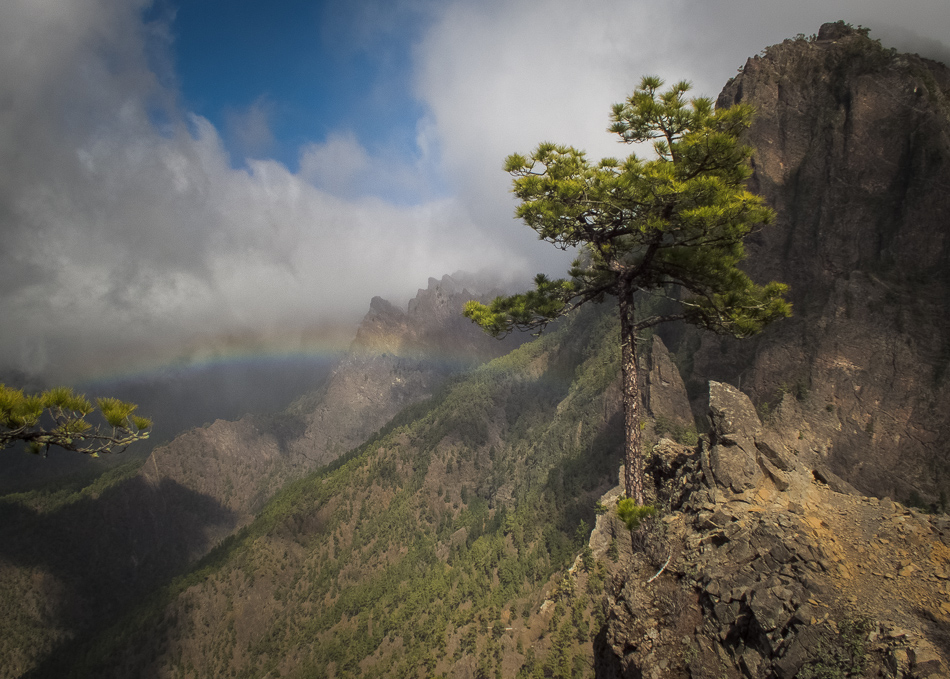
273 77
177 174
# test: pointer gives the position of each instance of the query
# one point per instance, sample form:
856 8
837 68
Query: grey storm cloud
127 229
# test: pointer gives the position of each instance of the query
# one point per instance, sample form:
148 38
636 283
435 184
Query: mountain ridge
166 512
453 542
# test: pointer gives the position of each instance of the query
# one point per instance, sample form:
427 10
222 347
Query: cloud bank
129 230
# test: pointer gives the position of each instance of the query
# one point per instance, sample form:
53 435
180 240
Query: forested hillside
429 550
138 527
454 541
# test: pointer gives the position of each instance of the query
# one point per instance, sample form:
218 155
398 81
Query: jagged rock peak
381 307
431 323
851 146
838 30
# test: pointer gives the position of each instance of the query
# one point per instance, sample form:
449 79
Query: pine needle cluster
57 417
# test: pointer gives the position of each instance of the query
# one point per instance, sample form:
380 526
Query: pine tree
672 226
57 417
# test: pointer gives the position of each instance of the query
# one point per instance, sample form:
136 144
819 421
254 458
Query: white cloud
250 128
337 164
122 231
125 225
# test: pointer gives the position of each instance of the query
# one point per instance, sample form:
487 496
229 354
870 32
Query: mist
135 235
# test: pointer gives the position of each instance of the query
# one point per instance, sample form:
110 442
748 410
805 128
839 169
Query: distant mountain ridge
454 542
397 358
205 484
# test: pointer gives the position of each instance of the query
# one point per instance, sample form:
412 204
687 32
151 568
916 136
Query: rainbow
206 353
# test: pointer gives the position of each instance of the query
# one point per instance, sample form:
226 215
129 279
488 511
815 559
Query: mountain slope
425 552
852 150
138 527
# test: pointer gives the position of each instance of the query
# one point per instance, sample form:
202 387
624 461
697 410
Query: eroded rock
792 570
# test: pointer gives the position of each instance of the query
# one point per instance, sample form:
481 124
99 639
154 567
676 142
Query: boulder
732 414
667 399
732 456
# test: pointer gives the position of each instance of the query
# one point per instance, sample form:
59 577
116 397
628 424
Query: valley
443 503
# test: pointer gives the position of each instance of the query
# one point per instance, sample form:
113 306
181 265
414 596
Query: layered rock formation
666 397
852 149
770 570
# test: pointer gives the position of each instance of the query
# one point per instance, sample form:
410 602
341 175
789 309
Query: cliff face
765 567
771 563
852 150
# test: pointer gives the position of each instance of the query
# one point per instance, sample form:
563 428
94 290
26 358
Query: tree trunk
633 457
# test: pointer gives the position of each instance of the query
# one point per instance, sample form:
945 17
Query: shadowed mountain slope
396 560
137 527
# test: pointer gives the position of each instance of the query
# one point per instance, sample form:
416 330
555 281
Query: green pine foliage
632 514
419 553
57 417
676 219
671 226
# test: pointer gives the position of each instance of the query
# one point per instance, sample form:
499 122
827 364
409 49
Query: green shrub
631 513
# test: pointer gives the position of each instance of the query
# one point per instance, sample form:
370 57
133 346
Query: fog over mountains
137 232
441 503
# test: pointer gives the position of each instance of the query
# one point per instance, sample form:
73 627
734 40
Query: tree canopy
670 225
57 417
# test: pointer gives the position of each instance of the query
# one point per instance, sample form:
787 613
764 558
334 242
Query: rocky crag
763 565
398 357
852 149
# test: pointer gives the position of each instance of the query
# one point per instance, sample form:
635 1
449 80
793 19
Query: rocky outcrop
770 571
397 358
667 400
852 150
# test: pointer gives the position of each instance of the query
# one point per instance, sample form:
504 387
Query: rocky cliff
852 150
763 566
